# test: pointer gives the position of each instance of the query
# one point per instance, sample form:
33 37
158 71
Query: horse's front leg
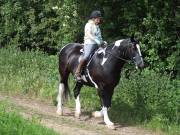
106 103
103 113
106 118
77 99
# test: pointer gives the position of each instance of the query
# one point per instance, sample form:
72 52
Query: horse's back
68 55
70 48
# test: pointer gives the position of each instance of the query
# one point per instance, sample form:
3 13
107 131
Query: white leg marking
106 117
60 99
78 107
98 114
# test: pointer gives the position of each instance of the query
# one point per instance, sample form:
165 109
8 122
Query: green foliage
158 123
44 24
150 98
38 23
143 98
148 94
11 123
29 72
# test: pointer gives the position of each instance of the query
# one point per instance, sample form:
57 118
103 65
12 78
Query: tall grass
11 123
28 72
145 97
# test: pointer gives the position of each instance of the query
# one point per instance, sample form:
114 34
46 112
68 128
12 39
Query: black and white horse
102 72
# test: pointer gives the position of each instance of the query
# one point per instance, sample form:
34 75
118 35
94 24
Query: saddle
84 71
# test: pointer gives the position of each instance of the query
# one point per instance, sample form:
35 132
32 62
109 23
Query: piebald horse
102 72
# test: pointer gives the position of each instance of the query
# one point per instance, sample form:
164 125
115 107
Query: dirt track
67 124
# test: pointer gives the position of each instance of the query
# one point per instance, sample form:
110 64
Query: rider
92 39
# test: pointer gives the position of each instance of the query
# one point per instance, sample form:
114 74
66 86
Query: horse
102 71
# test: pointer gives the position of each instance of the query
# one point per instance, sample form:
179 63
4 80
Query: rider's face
97 20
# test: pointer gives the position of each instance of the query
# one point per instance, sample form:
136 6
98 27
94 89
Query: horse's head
135 53
129 49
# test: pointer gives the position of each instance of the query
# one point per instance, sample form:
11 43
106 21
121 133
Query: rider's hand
105 43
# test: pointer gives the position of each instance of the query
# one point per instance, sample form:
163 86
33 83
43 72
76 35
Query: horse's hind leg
60 98
77 99
62 91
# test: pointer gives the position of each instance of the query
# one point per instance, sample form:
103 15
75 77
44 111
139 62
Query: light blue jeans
88 50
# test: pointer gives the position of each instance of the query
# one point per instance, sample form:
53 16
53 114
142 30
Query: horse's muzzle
141 65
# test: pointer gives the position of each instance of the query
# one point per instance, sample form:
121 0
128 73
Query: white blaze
139 51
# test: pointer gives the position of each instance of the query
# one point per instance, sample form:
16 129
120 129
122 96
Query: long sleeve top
92 33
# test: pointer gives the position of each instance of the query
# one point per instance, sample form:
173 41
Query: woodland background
33 31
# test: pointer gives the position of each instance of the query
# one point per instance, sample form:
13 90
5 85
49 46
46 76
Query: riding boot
78 70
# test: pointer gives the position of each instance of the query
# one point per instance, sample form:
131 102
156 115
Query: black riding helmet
95 14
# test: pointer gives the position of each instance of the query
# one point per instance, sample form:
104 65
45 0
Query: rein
117 57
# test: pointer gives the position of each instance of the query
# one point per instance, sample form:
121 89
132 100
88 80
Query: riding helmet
95 14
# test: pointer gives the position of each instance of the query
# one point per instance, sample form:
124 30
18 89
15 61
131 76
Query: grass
11 123
146 98
158 123
29 72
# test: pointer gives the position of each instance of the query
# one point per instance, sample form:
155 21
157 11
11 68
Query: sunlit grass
11 123
28 72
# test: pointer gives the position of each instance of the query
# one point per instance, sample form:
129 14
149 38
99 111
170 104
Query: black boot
78 70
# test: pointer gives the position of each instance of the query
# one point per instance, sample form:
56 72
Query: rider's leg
78 70
88 49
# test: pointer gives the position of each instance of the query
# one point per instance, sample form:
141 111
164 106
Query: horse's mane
123 42
124 47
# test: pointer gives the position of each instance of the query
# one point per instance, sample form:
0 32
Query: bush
148 94
143 97
28 72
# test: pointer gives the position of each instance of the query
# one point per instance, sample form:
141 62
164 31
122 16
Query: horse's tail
64 65
63 89
63 75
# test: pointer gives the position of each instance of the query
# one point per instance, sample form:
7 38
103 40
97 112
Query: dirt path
67 124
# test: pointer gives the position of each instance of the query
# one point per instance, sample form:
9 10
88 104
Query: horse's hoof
59 112
77 115
97 114
111 127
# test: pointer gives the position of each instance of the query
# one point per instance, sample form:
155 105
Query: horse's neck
115 59
115 65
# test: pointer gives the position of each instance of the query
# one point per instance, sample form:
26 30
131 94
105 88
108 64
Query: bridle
117 57
128 61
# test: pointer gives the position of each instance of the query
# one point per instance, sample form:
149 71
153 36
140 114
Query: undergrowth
145 98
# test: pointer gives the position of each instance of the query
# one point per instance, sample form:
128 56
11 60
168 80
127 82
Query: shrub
28 72
147 94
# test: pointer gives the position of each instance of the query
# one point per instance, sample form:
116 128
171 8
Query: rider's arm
89 32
